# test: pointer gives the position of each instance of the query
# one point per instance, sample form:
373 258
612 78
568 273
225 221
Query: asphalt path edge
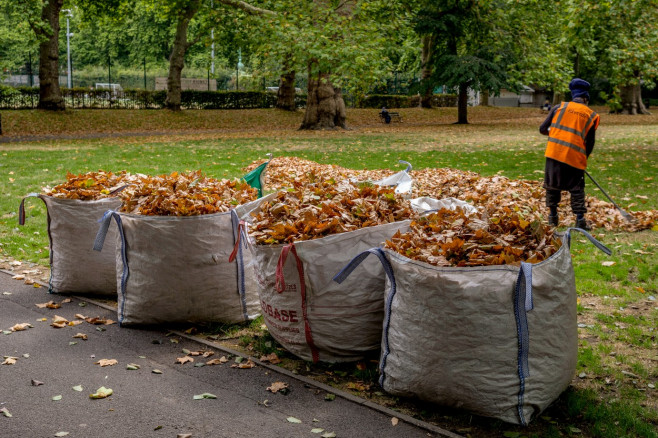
305 380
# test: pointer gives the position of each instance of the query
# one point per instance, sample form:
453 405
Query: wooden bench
395 117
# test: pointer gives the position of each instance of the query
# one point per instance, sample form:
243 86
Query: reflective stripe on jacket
566 138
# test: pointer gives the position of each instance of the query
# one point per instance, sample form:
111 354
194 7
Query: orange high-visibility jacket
566 138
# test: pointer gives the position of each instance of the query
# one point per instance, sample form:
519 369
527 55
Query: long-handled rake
624 214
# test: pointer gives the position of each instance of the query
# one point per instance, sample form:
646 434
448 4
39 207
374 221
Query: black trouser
578 206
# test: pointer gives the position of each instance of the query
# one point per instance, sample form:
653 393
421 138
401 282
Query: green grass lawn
618 347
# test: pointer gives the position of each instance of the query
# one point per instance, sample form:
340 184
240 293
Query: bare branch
250 9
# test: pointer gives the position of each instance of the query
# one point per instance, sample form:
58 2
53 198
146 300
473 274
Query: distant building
530 97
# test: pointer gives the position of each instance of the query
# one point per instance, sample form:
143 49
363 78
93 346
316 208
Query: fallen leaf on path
59 319
74 323
18 277
132 366
80 316
271 358
80 336
608 263
184 435
205 395
219 361
293 420
184 360
5 412
277 386
244 365
78 388
328 435
101 392
99 321
60 434
21 327
49 304
57 398
66 300
9 360
36 382
156 372
395 421
317 430
106 362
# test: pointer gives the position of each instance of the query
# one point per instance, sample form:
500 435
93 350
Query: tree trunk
462 104
631 99
484 98
50 95
285 97
177 57
427 42
325 108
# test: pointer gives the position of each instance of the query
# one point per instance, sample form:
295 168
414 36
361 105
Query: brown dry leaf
9 360
106 362
498 237
80 336
183 360
58 324
358 386
208 353
90 185
326 207
48 304
218 361
184 194
66 300
99 321
21 327
394 421
271 358
277 386
486 192
29 281
18 277
244 365
74 323
80 316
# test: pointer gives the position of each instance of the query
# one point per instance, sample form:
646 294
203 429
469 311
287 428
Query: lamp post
69 14
212 45
237 71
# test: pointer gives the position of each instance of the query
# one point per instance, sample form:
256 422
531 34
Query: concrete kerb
305 380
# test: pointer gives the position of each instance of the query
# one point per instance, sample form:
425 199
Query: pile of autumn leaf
90 186
176 194
313 211
184 194
485 192
454 238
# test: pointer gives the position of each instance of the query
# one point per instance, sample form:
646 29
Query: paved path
145 404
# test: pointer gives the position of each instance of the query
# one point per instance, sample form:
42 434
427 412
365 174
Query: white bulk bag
176 269
72 226
305 311
499 341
